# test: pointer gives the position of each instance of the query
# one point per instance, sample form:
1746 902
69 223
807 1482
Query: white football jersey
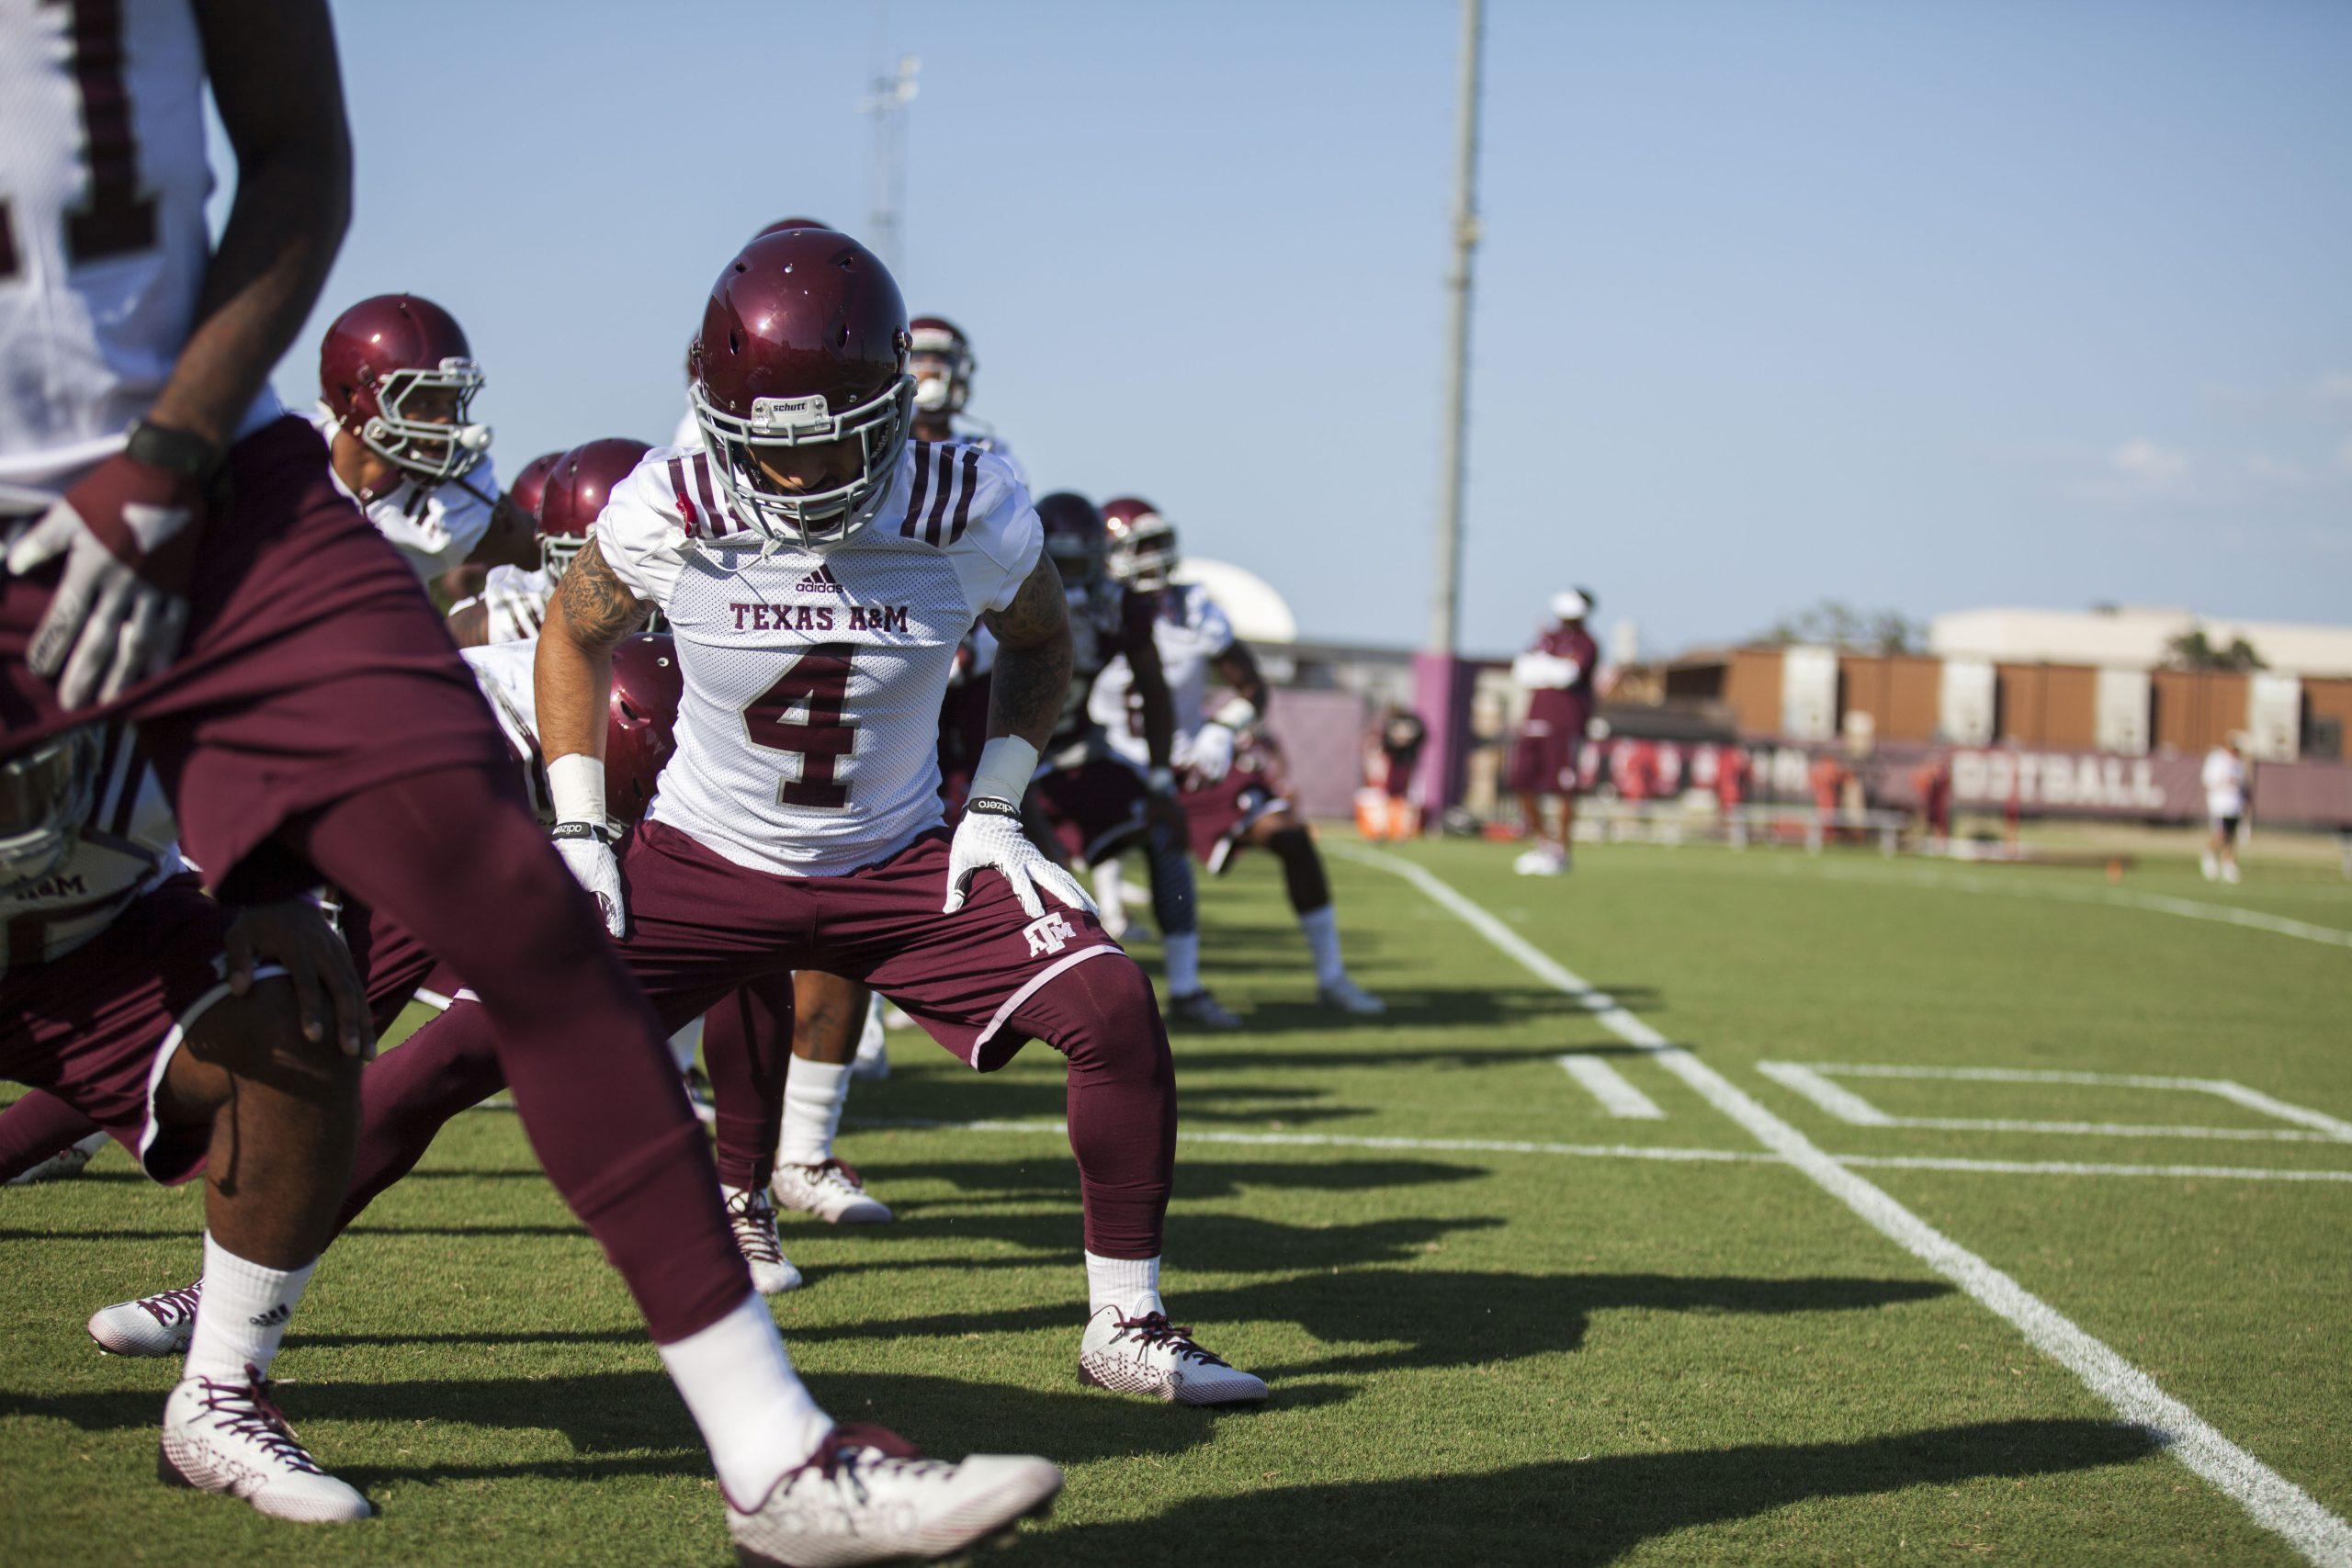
808 736
103 245
128 846
1190 632
435 527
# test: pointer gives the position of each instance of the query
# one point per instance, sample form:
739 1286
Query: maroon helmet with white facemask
397 372
582 480
1143 544
801 384
942 365
1075 538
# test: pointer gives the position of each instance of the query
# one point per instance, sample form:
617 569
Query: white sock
1322 928
1130 1284
870 1042
93 1143
686 1045
814 1093
754 1412
1109 884
1183 955
244 1314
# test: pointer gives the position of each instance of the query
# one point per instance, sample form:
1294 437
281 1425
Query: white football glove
587 852
989 839
1212 752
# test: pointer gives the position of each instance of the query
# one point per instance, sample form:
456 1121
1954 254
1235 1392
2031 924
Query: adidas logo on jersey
820 580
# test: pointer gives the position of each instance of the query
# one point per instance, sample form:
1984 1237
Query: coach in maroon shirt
1557 672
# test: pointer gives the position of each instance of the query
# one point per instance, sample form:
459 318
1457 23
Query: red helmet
583 480
1074 535
530 486
1143 544
378 357
640 727
942 365
803 344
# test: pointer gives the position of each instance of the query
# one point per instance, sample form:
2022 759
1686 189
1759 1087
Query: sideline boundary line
2269 1498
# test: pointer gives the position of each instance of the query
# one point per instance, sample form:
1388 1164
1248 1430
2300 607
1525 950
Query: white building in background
2131 636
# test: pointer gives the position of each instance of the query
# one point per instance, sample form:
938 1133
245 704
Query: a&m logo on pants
1048 933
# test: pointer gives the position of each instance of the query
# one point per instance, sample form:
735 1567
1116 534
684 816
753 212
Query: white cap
1571 606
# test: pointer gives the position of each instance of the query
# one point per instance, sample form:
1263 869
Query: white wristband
576 784
1007 763
1239 714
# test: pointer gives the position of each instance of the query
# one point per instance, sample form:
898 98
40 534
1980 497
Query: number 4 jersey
808 737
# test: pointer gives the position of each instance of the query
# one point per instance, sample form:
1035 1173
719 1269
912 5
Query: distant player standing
1229 802
189 564
1557 674
2225 780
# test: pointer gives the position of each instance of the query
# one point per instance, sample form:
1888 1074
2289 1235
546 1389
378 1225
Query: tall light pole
1440 682
894 89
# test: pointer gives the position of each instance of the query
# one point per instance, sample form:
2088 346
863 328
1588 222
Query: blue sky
1921 306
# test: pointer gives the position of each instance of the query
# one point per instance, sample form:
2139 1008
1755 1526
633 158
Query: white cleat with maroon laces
1150 1356
866 1495
222 1435
833 1191
160 1325
753 1219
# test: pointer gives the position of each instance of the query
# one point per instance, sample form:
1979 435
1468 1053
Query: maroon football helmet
1143 544
530 486
378 357
640 729
1075 538
942 365
582 480
803 344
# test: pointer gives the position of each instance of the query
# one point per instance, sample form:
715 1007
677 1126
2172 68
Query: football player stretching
1228 802
817 569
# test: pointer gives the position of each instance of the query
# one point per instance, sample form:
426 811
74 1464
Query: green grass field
1635 1338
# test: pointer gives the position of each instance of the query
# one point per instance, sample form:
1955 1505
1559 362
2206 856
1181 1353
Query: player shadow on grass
1592 1511
953 1099
1033 1180
1385 1320
632 1423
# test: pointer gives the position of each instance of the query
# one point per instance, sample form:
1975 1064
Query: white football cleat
1150 1356
228 1437
833 1191
160 1325
866 1495
753 1219
1343 995
1201 1010
1543 860
66 1162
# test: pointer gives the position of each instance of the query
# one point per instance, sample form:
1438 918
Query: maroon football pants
598 1095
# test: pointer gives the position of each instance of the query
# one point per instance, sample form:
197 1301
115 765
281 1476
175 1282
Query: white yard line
1835 1099
2269 1498
2156 903
1612 1088
1813 1080
1672 1156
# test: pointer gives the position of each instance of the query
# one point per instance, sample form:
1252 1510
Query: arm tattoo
1033 661
599 610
